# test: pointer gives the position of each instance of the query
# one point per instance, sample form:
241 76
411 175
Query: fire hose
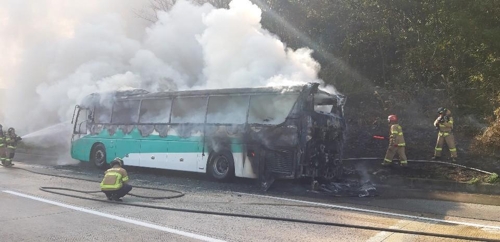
239 215
46 189
425 161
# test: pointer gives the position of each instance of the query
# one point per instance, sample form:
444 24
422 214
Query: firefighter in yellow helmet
2 147
11 140
444 123
396 142
115 182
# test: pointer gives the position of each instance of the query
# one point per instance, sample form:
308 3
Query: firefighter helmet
442 110
392 118
11 130
116 161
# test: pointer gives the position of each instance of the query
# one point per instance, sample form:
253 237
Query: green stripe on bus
120 144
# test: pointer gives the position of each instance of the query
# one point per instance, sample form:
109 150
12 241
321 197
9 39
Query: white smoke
239 52
79 48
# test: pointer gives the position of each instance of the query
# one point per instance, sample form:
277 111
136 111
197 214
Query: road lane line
382 236
376 212
118 218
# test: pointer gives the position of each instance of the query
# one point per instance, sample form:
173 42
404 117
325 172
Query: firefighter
444 123
2 146
396 142
115 182
11 140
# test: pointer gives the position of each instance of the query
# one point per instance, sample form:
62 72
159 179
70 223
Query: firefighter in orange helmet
115 182
396 142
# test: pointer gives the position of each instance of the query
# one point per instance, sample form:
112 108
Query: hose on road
180 194
177 194
424 161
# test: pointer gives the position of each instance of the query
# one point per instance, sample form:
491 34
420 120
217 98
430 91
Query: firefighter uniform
396 143
114 184
11 144
2 147
445 127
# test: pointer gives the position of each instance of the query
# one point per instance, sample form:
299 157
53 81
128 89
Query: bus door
81 119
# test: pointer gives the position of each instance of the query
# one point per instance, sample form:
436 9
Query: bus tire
98 156
221 166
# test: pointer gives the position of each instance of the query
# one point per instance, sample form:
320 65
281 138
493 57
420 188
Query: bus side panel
80 148
127 147
242 165
173 153
154 153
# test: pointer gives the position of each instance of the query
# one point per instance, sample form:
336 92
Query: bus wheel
221 166
98 156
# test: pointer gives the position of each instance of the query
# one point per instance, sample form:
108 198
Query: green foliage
399 44
406 46
474 180
493 178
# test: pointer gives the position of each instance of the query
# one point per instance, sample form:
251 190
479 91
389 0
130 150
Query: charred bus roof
326 97
225 91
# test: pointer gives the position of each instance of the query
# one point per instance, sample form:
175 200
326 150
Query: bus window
324 102
189 110
102 114
155 111
323 108
125 112
227 109
270 109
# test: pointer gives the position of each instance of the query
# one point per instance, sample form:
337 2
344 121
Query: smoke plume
58 52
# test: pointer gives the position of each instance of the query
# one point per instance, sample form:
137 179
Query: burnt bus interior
286 132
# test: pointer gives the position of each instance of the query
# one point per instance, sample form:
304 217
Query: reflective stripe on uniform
454 149
402 144
439 149
404 162
444 134
387 160
11 147
118 181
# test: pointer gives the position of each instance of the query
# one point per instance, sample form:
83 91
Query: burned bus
265 133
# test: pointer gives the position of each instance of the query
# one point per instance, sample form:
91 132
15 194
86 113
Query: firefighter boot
116 198
7 163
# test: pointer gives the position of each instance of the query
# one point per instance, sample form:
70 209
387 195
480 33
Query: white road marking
435 220
118 218
381 236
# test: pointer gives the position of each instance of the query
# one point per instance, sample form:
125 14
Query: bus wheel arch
98 155
220 165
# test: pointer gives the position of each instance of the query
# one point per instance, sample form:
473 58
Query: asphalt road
28 214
